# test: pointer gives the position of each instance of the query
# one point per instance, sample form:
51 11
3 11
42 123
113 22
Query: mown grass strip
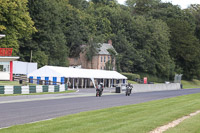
190 84
139 118
191 125
16 83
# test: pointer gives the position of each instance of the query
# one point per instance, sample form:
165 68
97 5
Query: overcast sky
182 3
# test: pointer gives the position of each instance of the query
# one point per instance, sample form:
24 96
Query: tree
194 9
142 7
77 27
111 63
185 48
50 40
15 23
91 50
79 4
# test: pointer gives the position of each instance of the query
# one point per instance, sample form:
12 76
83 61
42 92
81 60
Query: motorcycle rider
100 89
128 89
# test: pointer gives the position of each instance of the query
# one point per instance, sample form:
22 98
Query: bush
131 76
153 78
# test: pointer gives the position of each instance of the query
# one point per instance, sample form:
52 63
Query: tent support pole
103 83
82 83
85 83
109 83
77 83
73 83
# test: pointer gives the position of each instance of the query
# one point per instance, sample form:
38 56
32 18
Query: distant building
6 64
23 68
99 61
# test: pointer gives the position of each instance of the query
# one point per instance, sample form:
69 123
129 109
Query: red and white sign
145 80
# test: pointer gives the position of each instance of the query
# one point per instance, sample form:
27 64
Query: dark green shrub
153 78
131 76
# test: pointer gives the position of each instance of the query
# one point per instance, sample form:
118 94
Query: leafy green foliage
15 23
149 36
50 40
131 76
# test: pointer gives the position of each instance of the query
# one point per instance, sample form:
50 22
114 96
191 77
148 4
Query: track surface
15 113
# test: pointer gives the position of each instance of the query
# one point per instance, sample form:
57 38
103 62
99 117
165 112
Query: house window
101 58
4 66
104 58
108 57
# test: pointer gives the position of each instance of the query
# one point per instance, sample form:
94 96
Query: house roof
55 71
104 49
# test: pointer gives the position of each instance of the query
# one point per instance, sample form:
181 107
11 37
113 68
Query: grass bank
191 125
190 84
132 82
139 118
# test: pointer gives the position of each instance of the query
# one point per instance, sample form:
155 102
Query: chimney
110 42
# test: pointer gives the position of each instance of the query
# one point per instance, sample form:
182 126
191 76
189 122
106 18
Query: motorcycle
99 91
128 90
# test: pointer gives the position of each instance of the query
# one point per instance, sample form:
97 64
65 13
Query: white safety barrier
51 88
8 89
39 89
62 87
25 89
155 87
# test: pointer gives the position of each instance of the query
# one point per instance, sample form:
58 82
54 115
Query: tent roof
55 71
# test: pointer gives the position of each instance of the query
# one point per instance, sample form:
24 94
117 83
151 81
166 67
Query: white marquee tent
74 73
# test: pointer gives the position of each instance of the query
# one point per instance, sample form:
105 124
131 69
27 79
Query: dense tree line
149 36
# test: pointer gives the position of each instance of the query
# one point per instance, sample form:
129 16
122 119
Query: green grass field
132 82
190 84
186 84
191 125
139 118
16 83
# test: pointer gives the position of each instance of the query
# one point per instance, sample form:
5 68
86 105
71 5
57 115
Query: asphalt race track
15 113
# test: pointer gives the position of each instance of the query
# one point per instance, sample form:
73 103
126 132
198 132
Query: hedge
131 76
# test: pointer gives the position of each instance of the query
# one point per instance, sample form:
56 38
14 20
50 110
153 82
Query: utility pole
31 56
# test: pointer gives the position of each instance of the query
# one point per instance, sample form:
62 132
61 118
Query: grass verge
132 82
16 83
139 118
191 125
190 84
42 93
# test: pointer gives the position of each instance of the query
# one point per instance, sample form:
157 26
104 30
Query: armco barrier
32 89
155 87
